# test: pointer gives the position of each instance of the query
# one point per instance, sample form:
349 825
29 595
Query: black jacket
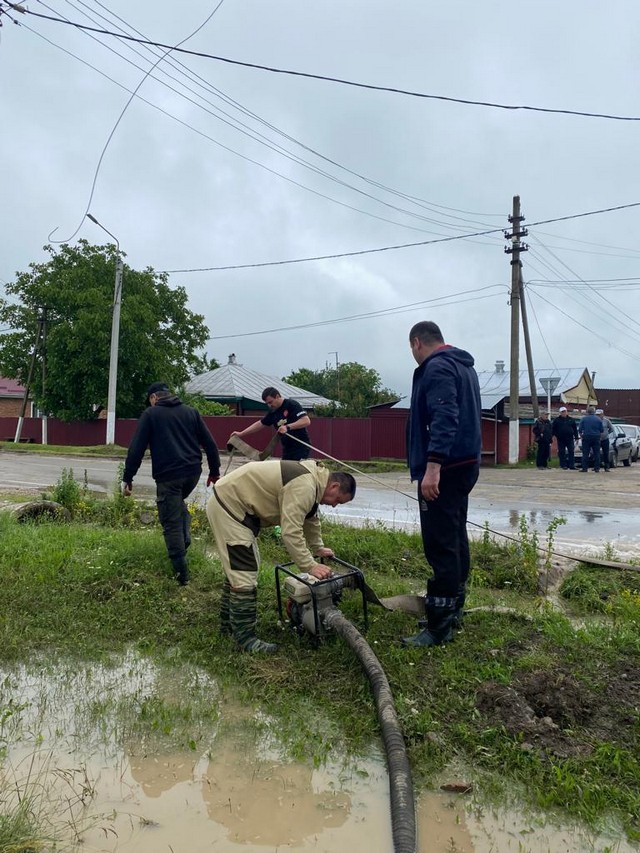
565 428
175 434
543 430
445 419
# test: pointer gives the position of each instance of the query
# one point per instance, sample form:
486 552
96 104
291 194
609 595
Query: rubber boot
225 620
439 624
243 614
180 570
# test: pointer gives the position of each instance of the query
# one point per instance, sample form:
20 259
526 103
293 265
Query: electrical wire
396 247
329 79
385 312
121 116
542 337
207 86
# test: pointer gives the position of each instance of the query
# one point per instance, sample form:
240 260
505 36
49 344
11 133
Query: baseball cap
156 387
562 409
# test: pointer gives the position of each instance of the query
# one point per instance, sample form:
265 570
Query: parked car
620 448
633 432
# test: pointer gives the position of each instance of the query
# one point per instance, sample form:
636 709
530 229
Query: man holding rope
286 416
444 444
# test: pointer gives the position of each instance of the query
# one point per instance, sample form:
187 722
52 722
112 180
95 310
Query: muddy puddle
138 757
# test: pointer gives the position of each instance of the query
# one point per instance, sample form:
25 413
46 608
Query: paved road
599 508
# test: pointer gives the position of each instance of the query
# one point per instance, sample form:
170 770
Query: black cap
157 387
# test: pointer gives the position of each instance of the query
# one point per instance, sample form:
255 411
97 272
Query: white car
633 432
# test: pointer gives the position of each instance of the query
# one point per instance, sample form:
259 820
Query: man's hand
319 571
324 552
234 433
213 478
283 430
430 486
126 489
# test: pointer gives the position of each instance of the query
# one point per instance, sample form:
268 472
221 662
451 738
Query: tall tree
159 336
352 387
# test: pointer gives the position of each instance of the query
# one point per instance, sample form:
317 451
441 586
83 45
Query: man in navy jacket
444 444
174 434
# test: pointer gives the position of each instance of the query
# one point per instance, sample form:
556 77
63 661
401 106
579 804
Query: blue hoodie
445 419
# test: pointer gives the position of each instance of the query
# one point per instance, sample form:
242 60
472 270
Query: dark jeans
544 451
174 515
604 453
443 524
591 444
565 453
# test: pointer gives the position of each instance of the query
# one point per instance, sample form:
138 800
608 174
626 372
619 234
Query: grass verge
523 698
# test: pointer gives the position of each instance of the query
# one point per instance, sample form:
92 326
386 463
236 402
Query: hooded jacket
175 434
445 419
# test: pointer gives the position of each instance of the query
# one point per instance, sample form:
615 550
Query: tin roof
10 388
236 382
495 386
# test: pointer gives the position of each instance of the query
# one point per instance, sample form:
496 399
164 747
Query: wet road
598 508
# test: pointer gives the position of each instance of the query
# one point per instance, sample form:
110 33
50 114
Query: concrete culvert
33 510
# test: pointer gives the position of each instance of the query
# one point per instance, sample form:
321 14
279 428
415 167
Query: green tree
352 387
208 408
159 336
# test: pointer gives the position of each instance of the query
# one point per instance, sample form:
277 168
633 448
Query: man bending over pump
276 492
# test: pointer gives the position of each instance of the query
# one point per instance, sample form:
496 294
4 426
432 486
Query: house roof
233 382
495 386
10 388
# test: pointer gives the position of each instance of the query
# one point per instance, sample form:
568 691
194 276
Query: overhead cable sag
326 78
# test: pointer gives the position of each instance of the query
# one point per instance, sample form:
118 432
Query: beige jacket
279 492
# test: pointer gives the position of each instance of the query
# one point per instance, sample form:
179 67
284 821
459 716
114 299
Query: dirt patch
555 713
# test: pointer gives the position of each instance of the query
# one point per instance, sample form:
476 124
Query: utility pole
34 355
527 347
45 424
337 374
514 367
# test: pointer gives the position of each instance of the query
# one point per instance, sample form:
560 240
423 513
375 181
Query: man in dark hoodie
174 434
444 444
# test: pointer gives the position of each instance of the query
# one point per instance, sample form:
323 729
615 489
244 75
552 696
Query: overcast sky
182 189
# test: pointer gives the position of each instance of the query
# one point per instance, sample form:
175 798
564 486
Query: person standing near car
444 443
287 416
565 431
590 429
542 430
604 439
174 434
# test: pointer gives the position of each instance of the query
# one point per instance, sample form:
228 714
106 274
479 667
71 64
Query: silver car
620 448
633 432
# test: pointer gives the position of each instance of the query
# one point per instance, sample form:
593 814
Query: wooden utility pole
527 348
34 355
514 367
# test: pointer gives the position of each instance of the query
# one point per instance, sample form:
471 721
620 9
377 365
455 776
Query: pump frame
351 572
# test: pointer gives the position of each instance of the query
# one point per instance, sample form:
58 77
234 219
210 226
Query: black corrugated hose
403 817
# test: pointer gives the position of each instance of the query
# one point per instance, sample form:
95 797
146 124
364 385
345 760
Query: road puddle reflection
146 758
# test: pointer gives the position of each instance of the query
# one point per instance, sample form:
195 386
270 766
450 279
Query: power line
383 312
326 78
398 246
121 116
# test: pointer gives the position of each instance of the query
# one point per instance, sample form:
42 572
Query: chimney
232 358
499 366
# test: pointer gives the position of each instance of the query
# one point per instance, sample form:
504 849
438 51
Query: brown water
184 785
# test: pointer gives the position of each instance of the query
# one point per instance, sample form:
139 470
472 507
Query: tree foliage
208 408
159 335
352 387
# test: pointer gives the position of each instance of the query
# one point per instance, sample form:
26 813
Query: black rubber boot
439 624
225 619
180 570
243 614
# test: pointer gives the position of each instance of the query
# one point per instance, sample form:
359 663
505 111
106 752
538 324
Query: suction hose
403 818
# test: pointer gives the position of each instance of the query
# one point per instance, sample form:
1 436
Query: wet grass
570 739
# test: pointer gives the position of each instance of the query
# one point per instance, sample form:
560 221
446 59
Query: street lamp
115 338
549 383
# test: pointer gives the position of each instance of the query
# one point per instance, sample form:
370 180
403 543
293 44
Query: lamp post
549 383
115 339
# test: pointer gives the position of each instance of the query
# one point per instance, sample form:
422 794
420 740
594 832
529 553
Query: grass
108 450
484 702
